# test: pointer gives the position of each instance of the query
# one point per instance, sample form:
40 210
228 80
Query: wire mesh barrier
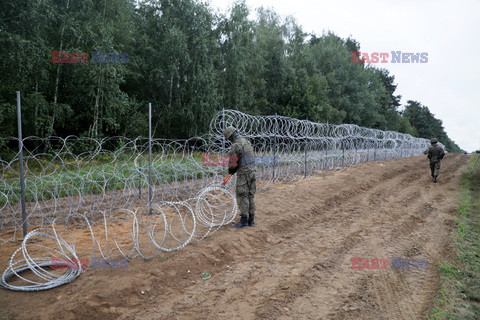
105 197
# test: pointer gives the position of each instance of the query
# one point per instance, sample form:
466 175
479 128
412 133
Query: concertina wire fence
105 191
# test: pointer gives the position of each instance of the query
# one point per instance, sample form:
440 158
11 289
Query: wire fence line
103 185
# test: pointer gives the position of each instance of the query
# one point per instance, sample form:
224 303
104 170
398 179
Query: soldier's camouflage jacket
435 153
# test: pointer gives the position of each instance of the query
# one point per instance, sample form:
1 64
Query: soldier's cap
229 131
433 140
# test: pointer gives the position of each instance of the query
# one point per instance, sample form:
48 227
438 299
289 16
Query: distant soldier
242 162
435 154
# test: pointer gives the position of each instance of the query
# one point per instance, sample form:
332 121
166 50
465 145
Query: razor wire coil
102 185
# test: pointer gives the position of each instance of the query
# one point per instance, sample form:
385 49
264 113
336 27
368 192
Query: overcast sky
448 30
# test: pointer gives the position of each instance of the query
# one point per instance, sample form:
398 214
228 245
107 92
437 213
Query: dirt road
295 264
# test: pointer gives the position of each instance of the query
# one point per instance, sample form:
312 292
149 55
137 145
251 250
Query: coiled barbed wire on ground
169 226
103 186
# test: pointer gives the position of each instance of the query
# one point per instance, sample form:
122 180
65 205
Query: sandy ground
295 264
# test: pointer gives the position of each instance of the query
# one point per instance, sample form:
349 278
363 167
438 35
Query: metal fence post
274 149
140 179
223 127
150 158
305 168
20 163
326 155
343 154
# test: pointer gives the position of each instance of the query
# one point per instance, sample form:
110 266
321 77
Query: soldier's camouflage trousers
434 168
245 191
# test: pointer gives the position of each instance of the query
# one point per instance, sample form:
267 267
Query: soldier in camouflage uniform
435 154
242 162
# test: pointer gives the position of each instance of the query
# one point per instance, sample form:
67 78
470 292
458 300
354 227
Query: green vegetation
426 125
460 294
189 62
73 179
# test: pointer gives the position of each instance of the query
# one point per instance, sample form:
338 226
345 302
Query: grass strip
460 293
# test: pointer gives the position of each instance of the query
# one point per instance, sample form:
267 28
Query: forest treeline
189 61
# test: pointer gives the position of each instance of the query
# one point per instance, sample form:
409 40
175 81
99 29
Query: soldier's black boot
243 223
435 179
251 220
